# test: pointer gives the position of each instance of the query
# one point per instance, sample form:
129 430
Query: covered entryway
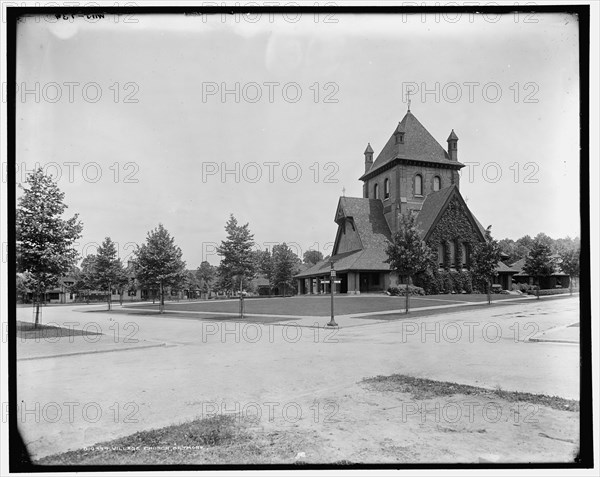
371 282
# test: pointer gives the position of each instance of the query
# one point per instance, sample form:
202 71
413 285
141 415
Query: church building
413 173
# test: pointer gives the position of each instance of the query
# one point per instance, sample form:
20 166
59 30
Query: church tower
411 165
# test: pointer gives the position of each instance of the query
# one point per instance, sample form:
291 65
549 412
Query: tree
237 259
45 241
484 261
206 275
264 265
561 245
526 241
24 286
408 254
569 264
192 283
284 265
159 264
84 281
539 263
107 269
312 257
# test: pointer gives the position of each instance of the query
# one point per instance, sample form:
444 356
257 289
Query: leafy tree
237 259
192 283
539 263
562 245
24 283
408 254
543 238
45 241
264 265
107 270
312 257
484 261
569 264
285 263
84 281
526 241
206 274
514 250
159 264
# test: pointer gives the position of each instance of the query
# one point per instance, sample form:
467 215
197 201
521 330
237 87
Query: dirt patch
391 420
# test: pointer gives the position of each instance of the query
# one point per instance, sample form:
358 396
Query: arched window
440 255
437 183
452 254
418 184
386 189
376 191
465 255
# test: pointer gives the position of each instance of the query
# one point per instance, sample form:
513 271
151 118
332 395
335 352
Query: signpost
331 288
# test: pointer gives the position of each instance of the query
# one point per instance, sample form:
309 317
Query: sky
183 120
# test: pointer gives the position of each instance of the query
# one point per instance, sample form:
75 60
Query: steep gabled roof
368 218
373 232
434 206
417 145
503 268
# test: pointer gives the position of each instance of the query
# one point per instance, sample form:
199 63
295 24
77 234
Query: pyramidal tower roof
417 145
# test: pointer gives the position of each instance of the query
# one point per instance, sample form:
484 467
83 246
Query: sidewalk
55 342
558 334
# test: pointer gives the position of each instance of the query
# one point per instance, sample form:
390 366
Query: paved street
124 387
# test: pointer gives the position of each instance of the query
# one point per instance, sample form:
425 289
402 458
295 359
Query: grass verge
218 440
421 389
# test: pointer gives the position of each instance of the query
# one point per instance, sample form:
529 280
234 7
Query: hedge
401 290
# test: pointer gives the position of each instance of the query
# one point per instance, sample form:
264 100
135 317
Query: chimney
453 146
368 157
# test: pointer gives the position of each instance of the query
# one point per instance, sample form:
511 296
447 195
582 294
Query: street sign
326 282
333 274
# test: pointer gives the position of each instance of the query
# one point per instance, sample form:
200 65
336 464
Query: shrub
551 291
496 288
523 287
401 290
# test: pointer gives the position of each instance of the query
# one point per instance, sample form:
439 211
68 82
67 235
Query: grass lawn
320 305
27 331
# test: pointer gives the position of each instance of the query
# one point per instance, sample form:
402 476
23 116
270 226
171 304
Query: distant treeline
520 248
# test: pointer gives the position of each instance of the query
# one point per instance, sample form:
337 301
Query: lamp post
241 296
331 285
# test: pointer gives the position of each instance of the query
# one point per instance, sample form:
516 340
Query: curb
79 353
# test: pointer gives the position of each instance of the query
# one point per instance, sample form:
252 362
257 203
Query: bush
522 287
401 290
551 291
